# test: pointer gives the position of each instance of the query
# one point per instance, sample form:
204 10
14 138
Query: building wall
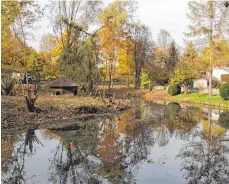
56 90
200 83
217 72
66 90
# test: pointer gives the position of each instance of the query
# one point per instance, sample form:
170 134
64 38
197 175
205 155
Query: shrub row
223 90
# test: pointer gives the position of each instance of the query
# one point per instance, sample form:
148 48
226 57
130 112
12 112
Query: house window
57 93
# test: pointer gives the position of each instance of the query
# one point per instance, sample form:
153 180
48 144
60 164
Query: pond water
150 143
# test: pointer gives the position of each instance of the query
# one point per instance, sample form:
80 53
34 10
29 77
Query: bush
174 108
174 90
8 83
224 91
216 83
144 81
224 120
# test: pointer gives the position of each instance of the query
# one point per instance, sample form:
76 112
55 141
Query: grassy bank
194 98
162 95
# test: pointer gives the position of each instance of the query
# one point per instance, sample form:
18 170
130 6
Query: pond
150 143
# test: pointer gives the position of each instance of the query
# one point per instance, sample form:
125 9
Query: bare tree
64 13
30 13
164 39
142 50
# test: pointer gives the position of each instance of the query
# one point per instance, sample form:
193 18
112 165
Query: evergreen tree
173 56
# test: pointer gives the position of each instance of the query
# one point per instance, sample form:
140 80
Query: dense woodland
94 43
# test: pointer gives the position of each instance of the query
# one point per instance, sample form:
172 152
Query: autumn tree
187 69
48 42
142 51
165 57
78 51
113 19
220 57
209 19
64 13
50 50
9 12
17 21
126 61
29 13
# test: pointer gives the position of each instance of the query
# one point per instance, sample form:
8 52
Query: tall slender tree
113 18
209 19
142 49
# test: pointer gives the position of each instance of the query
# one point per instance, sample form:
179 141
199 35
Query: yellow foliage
216 129
220 55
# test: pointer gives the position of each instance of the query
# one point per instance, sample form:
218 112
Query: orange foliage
109 150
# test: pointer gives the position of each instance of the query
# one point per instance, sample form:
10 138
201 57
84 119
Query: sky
156 14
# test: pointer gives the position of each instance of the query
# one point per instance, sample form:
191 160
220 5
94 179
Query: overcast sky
157 14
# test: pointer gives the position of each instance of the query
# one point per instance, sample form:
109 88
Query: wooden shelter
63 85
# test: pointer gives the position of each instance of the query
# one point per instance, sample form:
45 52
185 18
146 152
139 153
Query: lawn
196 97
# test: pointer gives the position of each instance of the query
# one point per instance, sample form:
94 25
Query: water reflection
13 155
117 149
205 156
224 119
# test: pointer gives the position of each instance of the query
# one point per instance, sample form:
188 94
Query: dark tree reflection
75 158
15 164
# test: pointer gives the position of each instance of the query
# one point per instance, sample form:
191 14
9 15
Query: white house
200 83
218 71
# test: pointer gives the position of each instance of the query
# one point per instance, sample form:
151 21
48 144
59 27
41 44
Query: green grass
196 97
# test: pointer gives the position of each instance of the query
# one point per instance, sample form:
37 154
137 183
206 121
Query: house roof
63 82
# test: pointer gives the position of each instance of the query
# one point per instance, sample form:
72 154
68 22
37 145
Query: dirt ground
53 109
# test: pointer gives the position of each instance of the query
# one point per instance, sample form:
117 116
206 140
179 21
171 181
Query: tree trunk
137 80
90 77
185 84
137 76
110 78
31 99
210 84
210 126
185 89
211 49
150 86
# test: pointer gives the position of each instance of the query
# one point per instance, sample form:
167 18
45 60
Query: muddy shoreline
53 111
42 120
14 114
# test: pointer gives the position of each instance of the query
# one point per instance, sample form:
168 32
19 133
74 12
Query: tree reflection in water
75 159
118 144
205 157
113 149
14 166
